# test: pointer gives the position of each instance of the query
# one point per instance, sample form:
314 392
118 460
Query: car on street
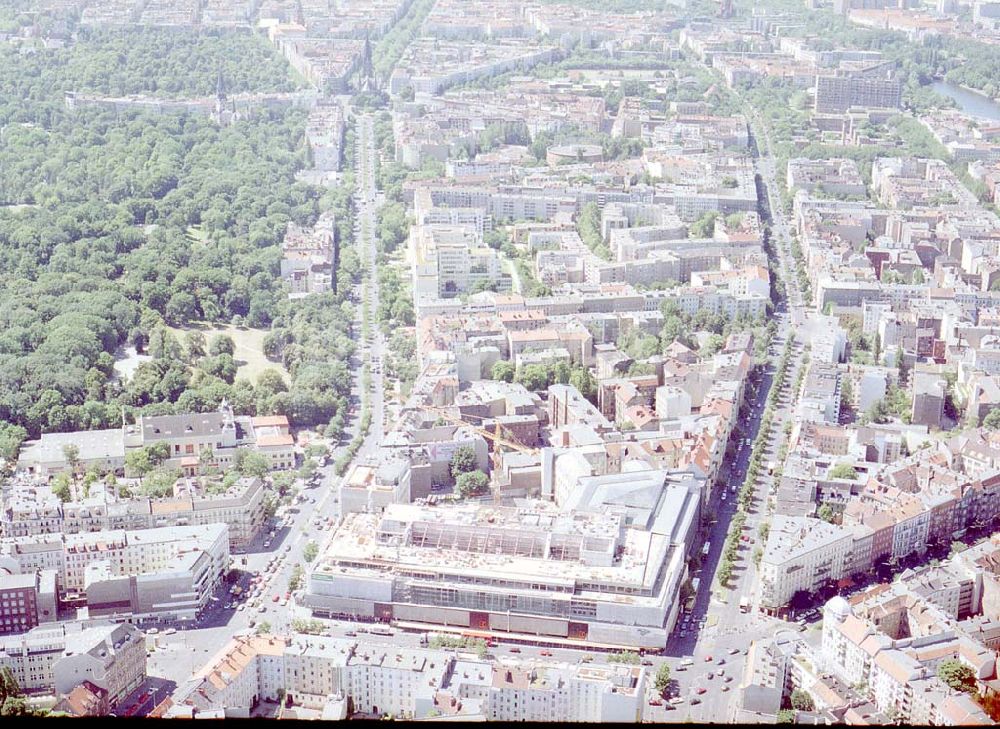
655 702
350 634
734 651
546 653
515 649
725 688
709 675
276 598
721 662
262 609
240 607
700 690
695 700
708 659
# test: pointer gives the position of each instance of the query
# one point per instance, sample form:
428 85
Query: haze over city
523 360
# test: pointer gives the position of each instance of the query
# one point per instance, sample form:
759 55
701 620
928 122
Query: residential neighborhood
501 361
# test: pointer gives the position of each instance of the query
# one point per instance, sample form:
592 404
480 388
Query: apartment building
166 573
325 136
27 600
31 509
581 693
375 679
55 659
452 260
801 553
890 643
820 398
874 87
307 257
833 176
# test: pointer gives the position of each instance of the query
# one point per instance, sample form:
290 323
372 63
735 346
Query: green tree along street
661 681
310 551
627 657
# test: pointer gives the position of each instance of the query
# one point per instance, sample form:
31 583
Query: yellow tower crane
492 436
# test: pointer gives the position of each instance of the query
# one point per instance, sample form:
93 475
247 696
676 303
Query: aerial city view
501 360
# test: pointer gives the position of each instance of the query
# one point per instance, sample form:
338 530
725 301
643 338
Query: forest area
114 226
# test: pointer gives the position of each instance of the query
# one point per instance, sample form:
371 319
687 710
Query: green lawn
249 353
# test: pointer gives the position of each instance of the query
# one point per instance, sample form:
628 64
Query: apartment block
55 659
375 679
27 600
875 87
31 509
166 573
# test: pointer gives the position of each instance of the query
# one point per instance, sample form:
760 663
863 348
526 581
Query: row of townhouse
30 508
905 508
346 678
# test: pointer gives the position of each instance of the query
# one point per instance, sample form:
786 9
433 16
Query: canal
968 101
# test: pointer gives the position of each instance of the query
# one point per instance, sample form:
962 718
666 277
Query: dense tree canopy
113 226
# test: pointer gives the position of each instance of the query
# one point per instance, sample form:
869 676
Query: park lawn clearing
195 234
249 354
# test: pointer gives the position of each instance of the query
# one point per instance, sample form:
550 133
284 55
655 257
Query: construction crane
493 436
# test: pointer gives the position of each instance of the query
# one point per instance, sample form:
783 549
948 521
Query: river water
969 101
